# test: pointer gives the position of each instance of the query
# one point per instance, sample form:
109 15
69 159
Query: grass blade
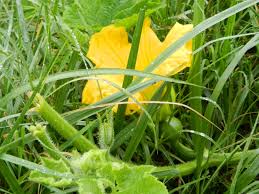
32 166
10 178
220 84
241 162
131 65
86 73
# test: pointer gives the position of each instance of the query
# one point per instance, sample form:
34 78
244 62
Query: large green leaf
93 15
95 172
100 173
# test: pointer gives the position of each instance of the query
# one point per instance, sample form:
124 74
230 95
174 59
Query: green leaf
57 165
100 174
90 162
93 15
138 179
90 186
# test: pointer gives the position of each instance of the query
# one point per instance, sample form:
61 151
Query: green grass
217 99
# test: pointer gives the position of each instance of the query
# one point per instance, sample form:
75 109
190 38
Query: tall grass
196 77
216 99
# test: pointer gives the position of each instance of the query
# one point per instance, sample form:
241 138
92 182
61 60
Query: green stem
61 125
183 151
189 167
41 134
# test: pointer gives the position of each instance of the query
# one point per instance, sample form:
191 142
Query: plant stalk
41 134
188 168
65 129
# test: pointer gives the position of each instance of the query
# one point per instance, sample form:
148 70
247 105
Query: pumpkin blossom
110 48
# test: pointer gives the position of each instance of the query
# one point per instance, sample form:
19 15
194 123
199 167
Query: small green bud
165 112
172 129
37 130
43 137
106 132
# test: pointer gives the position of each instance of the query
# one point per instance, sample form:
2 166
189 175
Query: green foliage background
43 47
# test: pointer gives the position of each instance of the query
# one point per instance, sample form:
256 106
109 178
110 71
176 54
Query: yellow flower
110 48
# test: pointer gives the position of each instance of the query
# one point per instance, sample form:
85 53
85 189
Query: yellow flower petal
180 59
149 46
110 48
177 31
